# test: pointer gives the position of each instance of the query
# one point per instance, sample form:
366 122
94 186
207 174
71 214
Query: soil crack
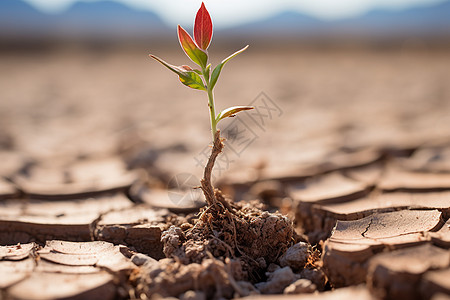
367 228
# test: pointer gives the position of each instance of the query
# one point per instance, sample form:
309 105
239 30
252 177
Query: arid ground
69 103
358 135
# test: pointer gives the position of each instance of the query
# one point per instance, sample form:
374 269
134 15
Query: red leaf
203 28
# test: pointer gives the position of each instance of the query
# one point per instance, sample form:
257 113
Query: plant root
206 184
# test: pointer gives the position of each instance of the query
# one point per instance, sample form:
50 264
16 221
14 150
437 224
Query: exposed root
206 184
214 196
221 199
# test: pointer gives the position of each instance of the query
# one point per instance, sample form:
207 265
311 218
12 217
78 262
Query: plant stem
212 110
206 184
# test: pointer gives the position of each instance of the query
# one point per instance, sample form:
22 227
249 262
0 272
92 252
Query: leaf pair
203 30
191 78
202 79
231 111
196 51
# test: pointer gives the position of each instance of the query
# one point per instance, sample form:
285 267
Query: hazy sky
231 12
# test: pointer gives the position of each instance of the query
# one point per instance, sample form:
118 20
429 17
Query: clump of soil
210 279
255 236
221 253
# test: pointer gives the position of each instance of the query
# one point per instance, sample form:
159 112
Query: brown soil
346 193
238 246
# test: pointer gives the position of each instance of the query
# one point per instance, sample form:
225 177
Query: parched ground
98 150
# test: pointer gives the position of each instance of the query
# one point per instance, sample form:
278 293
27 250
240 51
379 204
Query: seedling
203 79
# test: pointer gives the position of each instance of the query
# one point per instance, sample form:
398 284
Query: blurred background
339 76
144 20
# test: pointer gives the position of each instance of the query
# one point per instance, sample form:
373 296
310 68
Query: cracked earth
353 146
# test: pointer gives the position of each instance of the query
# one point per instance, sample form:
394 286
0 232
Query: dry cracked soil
339 180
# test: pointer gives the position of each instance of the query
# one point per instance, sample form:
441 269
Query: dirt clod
296 256
277 281
193 295
170 278
140 259
316 276
301 286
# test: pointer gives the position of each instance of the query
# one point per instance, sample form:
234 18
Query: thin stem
212 110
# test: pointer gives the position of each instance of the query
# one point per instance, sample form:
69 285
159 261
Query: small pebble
140 259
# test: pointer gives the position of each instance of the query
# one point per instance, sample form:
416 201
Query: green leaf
173 68
196 54
231 112
218 68
187 76
192 80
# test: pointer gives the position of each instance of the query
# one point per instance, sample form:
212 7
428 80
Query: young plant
203 79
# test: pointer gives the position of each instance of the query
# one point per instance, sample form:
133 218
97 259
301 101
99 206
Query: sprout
205 80
202 79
